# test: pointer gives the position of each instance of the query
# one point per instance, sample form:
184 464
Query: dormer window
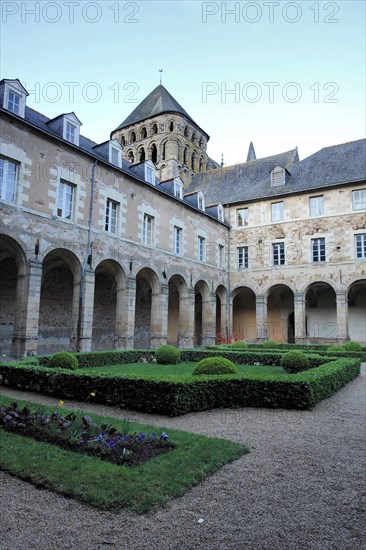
150 173
70 127
115 153
14 96
178 189
70 132
201 201
220 213
278 176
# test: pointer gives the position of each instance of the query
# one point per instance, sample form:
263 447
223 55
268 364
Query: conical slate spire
251 152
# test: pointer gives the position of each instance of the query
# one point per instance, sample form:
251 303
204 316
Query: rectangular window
243 257
360 242
8 178
178 240
359 199
115 156
65 200
242 217
220 213
277 211
13 102
148 230
318 250
201 251
316 206
150 174
111 216
178 190
278 253
70 134
201 201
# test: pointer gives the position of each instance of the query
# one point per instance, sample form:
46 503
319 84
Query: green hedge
320 350
105 358
175 396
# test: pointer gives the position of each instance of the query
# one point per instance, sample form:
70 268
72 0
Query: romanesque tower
160 129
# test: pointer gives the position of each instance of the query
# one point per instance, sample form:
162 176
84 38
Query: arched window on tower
143 133
186 131
193 161
154 128
154 153
200 143
130 156
185 156
194 137
163 151
171 126
142 155
201 165
123 141
132 137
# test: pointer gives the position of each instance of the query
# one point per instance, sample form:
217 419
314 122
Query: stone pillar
125 322
209 319
261 318
342 317
28 294
223 320
87 312
186 320
300 316
159 317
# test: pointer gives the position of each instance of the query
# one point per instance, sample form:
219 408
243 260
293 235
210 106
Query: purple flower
164 436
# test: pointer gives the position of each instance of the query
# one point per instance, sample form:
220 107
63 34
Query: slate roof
249 181
158 101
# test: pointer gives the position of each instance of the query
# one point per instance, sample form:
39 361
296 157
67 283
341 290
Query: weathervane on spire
161 75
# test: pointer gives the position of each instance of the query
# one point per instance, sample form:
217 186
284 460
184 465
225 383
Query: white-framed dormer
220 213
13 96
115 153
178 188
201 201
278 176
71 128
150 172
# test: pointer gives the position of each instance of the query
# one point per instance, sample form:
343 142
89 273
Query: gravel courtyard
301 487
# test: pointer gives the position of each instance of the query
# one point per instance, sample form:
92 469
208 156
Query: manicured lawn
181 370
107 486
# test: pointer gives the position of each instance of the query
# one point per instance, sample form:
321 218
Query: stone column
28 294
342 317
300 316
87 312
261 318
186 320
125 322
159 317
209 319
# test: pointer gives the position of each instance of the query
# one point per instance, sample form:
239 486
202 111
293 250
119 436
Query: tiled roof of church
159 101
249 181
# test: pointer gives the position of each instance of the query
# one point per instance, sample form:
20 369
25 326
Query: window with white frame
316 205
148 230
359 199
14 101
360 245
178 233
277 211
278 253
221 255
8 179
115 156
242 257
149 174
111 212
70 132
178 190
278 176
318 250
220 213
242 217
65 200
201 249
201 201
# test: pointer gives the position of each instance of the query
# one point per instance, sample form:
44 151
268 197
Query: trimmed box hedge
175 396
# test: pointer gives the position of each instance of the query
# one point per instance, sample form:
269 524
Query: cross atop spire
161 75
251 152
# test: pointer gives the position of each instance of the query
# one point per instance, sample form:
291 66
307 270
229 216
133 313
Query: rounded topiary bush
353 346
270 344
335 348
239 345
294 361
215 365
167 355
63 360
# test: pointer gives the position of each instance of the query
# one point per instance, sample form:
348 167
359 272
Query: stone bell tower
160 129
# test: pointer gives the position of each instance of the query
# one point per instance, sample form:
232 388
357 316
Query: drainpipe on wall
88 253
228 309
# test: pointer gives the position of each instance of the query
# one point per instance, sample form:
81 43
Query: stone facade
94 254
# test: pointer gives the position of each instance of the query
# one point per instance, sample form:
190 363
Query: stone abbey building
143 239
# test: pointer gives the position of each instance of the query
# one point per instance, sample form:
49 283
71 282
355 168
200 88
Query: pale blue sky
310 51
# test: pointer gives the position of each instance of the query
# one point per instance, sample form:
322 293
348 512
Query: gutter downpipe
88 253
228 308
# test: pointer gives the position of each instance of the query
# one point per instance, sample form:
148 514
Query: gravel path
301 487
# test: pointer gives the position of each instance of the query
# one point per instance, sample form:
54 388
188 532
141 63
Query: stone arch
243 314
221 322
321 312
59 301
200 168
171 126
153 153
141 154
123 141
130 156
143 133
201 312
186 131
193 161
280 313
185 156
356 297
132 136
13 268
110 282
147 289
154 128
177 310
163 148
193 138
200 143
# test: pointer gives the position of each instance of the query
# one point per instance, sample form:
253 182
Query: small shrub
215 365
270 344
239 345
353 346
294 361
63 360
335 348
167 355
